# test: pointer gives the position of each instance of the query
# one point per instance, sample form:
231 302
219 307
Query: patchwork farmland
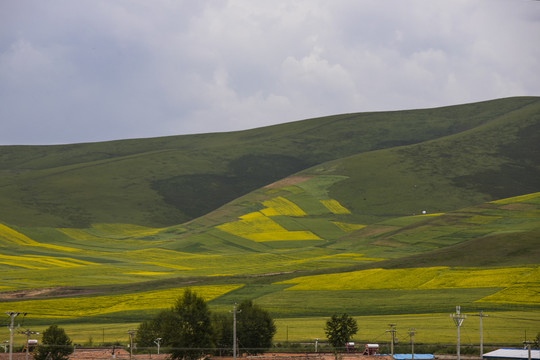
393 229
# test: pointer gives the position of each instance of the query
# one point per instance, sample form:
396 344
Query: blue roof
416 356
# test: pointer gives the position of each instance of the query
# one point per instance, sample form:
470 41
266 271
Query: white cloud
99 70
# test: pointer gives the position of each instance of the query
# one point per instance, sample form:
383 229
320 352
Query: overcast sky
94 70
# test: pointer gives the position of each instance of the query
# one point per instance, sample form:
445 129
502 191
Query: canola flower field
99 305
262 254
520 285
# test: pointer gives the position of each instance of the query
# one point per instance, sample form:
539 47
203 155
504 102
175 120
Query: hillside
413 212
483 257
165 181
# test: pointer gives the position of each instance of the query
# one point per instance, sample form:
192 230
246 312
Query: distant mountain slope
171 180
495 160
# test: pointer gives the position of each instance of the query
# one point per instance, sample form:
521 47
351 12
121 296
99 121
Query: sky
97 70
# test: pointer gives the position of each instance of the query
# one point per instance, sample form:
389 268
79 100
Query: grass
499 328
347 232
502 328
76 307
139 182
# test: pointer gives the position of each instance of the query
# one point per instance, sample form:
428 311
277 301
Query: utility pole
528 344
481 315
12 315
157 342
235 345
131 332
28 332
411 334
392 331
458 319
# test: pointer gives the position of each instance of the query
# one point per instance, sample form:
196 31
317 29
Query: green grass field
391 217
499 328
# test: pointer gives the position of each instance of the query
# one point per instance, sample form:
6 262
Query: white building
510 354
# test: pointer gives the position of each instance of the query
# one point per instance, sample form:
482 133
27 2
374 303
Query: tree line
189 331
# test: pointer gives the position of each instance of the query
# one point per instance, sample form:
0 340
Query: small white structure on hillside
511 354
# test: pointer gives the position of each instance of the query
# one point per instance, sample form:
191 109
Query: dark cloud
100 70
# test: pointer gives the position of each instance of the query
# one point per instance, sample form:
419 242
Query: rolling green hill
170 180
413 212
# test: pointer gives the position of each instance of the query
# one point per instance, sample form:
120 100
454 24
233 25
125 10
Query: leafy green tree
223 325
191 332
340 330
161 326
147 333
186 328
255 328
56 345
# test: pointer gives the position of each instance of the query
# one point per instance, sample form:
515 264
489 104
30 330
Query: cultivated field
390 217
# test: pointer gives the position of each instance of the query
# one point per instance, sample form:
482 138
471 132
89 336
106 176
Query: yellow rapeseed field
335 207
281 206
126 230
148 273
256 226
282 236
521 283
348 227
516 199
520 294
9 235
254 222
81 306
481 277
344 257
366 279
79 234
38 262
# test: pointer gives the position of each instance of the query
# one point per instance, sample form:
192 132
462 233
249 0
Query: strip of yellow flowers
9 235
521 284
81 306
258 227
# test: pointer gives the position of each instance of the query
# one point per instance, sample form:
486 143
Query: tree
56 345
340 329
255 328
223 325
190 333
